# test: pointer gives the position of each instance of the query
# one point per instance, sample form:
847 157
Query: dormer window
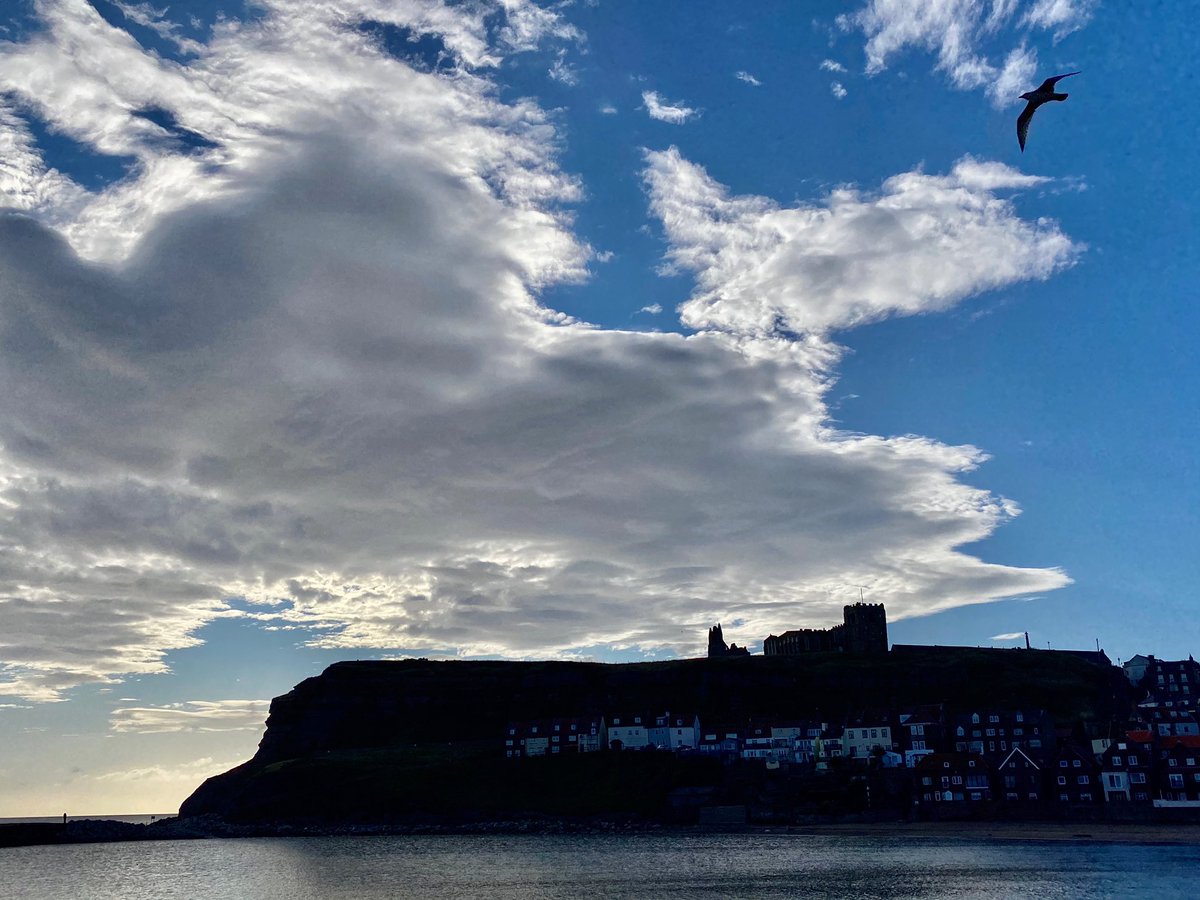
974 718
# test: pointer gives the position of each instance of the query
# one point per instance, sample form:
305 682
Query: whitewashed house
629 732
675 731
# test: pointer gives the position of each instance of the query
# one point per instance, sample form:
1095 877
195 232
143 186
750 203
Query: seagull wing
1049 83
1023 121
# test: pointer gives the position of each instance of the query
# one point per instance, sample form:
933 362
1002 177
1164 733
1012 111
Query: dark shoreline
89 831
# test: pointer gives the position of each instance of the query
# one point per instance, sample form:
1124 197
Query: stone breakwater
93 831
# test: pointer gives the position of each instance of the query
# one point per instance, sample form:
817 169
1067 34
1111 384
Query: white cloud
1008 636
608 109
156 20
956 30
665 111
653 309
837 89
306 365
563 72
604 256
923 243
829 65
1060 16
748 78
192 715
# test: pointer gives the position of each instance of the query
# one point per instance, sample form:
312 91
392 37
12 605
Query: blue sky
367 329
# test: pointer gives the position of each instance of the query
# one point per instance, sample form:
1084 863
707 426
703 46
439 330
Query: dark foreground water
535 867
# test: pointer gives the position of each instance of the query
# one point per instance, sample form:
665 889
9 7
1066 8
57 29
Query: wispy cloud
563 72
956 31
665 111
653 309
830 65
194 715
748 78
1008 636
837 89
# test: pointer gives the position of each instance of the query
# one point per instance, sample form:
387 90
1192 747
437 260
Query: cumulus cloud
304 363
837 89
956 32
193 715
830 65
922 243
666 111
748 78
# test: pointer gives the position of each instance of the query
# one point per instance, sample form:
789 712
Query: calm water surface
536 867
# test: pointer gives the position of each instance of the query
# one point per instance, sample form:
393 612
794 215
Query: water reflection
541 868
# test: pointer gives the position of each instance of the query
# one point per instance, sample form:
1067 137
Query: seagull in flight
1044 94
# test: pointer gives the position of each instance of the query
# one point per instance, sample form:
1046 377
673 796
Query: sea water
572 866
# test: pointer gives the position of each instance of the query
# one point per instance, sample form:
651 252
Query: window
1010 796
993 718
926 780
1132 761
533 730
1116 760
1020 717
574 726
508 743
1075 763
1010 781
1083 779
1137 777
1062 779
956 779
991 732
557 727
960 731
1085 797
918 745
849 734
960 747
1062 763
1064 797
1140 795
1191 761
976 796
1173 763
874 732
974 718
1033 795
1114 781
1017 732
1175 779
1035 742
1004 745
916 729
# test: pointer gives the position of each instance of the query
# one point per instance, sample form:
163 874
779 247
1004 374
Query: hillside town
953 762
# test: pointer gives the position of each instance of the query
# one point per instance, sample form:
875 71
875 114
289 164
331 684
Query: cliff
368 740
